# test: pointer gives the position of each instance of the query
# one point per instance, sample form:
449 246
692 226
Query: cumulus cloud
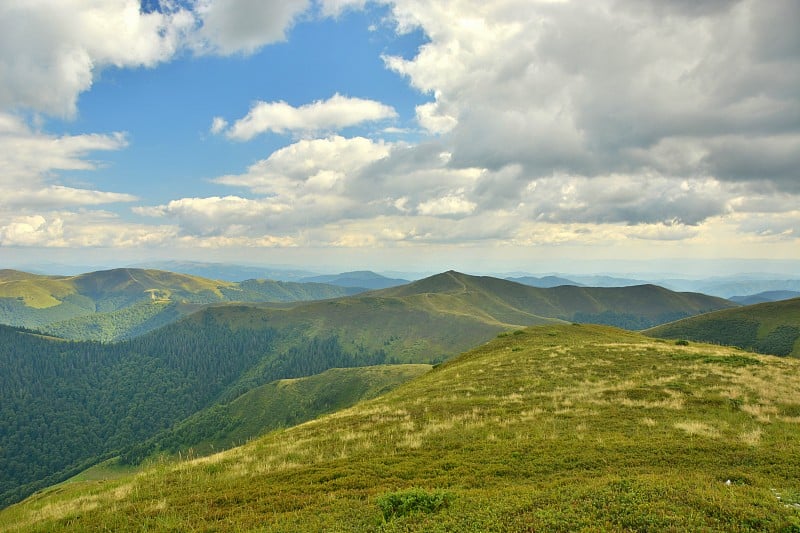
231 26
279 117
62 229
30 162
612 87
51 51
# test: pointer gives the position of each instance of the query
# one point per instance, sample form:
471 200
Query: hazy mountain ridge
363 278
97 305
767 296
550 428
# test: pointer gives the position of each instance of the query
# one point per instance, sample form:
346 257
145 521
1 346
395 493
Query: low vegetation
769 328
555 428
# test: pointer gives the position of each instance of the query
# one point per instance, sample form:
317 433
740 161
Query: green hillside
122 303
770 328
126 393
633 307
556 428
281 403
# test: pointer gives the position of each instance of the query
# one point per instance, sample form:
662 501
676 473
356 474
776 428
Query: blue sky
508 135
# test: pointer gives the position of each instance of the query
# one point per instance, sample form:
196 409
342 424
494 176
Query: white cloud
64 229
30 162
50 51
279 117
231 26
610 86
447 205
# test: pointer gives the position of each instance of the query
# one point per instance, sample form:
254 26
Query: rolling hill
121 303
771 328
362 278
766 296
633 307
554 428
545 282
125 393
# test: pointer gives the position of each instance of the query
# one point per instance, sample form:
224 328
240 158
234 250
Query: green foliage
780 341
123 303
277 404
584 429
414 500
771 328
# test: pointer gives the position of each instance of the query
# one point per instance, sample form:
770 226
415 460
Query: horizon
545 137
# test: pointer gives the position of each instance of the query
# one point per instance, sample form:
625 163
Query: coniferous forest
65 405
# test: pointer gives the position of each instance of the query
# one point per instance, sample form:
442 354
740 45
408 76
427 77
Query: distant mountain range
359 279
767 296
125 302
545 282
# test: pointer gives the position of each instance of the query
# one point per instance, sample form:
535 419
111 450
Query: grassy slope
282 403
565 301
759 327
559 428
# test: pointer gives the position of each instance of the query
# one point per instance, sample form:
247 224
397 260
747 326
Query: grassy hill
282 403
126 393
771 327
634 307
122 303
555 428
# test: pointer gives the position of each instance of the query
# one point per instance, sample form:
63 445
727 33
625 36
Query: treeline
306 359
65 405
740 332
626 320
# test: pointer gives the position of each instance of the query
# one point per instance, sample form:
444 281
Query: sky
479 135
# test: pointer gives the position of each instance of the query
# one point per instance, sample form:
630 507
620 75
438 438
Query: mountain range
130 398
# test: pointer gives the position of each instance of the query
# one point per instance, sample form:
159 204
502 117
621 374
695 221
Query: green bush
415 500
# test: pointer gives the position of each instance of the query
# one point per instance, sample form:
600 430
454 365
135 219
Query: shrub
415 500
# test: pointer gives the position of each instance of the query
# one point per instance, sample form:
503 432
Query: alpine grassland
550 428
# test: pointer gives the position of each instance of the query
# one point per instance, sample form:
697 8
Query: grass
558 428
771 327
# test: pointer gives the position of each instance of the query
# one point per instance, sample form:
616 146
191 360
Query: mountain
634 307
228 272
729 288
761 297
364 279
282 403
771 328
554 428
545 282
100 399
121 303
606 281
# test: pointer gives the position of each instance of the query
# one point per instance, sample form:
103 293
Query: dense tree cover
629 321
779 341
65 403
